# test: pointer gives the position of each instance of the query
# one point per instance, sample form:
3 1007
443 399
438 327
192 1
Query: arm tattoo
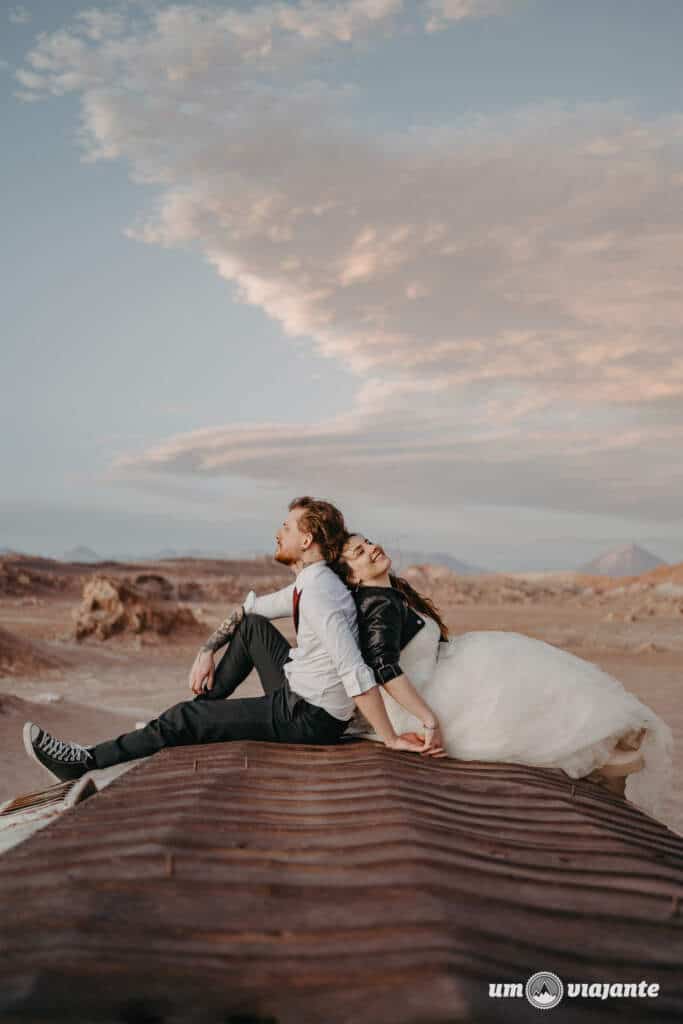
224 632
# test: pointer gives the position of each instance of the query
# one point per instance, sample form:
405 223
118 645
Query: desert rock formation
112 606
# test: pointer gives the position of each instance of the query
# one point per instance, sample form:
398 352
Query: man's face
290 542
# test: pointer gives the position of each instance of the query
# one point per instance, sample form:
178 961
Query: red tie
296 597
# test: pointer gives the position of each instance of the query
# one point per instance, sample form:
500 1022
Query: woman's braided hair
415 599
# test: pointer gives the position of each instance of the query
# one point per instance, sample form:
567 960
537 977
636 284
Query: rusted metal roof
258 882
24 815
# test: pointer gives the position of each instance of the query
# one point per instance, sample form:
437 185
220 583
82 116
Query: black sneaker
62 759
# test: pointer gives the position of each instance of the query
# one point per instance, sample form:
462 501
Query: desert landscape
89 650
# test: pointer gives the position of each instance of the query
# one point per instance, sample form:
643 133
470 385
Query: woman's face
367 561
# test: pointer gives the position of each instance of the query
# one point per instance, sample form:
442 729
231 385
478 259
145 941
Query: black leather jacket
386 623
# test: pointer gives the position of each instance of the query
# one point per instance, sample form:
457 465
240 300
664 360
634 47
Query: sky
420 258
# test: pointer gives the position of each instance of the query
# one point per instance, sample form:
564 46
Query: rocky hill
629 560
19 656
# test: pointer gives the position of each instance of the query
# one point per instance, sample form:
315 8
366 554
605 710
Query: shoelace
62 750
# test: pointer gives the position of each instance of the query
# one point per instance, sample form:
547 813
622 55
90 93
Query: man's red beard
283 558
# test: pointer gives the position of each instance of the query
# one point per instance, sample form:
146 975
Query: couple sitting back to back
373 658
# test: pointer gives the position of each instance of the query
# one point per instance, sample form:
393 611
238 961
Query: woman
503 696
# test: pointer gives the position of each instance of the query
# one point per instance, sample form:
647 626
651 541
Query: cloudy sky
423 258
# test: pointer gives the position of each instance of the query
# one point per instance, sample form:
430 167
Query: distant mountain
200 553
81 554
402 559
623 561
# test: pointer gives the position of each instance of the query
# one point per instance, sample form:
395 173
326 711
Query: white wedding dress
503 696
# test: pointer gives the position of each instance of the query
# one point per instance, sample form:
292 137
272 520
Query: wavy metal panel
24 815
262 882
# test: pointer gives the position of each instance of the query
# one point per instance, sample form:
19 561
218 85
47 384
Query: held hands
433 741
430 744
201 673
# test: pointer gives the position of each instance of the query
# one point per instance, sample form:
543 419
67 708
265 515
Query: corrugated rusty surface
21 817
52 795
262 882
62 794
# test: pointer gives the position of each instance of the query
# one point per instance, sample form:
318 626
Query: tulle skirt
503 696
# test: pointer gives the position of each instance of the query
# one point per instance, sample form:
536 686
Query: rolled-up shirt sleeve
380 638
277 605
332 627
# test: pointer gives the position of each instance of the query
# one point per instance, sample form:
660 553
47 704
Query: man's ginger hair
324 522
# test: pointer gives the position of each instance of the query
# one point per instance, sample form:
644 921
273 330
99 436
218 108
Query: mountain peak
625 560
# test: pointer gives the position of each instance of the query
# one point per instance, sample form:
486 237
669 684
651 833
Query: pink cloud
495 285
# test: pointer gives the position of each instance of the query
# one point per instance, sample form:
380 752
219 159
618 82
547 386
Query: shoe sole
28 747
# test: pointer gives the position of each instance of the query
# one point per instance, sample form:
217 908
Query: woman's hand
201 673
403 691
433 740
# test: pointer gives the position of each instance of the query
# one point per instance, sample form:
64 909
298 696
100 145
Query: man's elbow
366 696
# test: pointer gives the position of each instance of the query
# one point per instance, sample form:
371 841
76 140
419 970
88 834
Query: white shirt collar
308 572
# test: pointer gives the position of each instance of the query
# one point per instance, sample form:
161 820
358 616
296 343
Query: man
311 691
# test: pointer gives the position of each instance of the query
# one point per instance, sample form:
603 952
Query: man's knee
251 619
252 623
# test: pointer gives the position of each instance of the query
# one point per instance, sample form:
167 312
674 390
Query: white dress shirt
326 666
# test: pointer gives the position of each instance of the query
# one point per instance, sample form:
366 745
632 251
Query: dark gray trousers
279 716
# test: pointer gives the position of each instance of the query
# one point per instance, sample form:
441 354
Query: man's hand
431 744
408 741
201 673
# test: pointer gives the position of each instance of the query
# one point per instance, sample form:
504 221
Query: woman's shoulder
377 599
